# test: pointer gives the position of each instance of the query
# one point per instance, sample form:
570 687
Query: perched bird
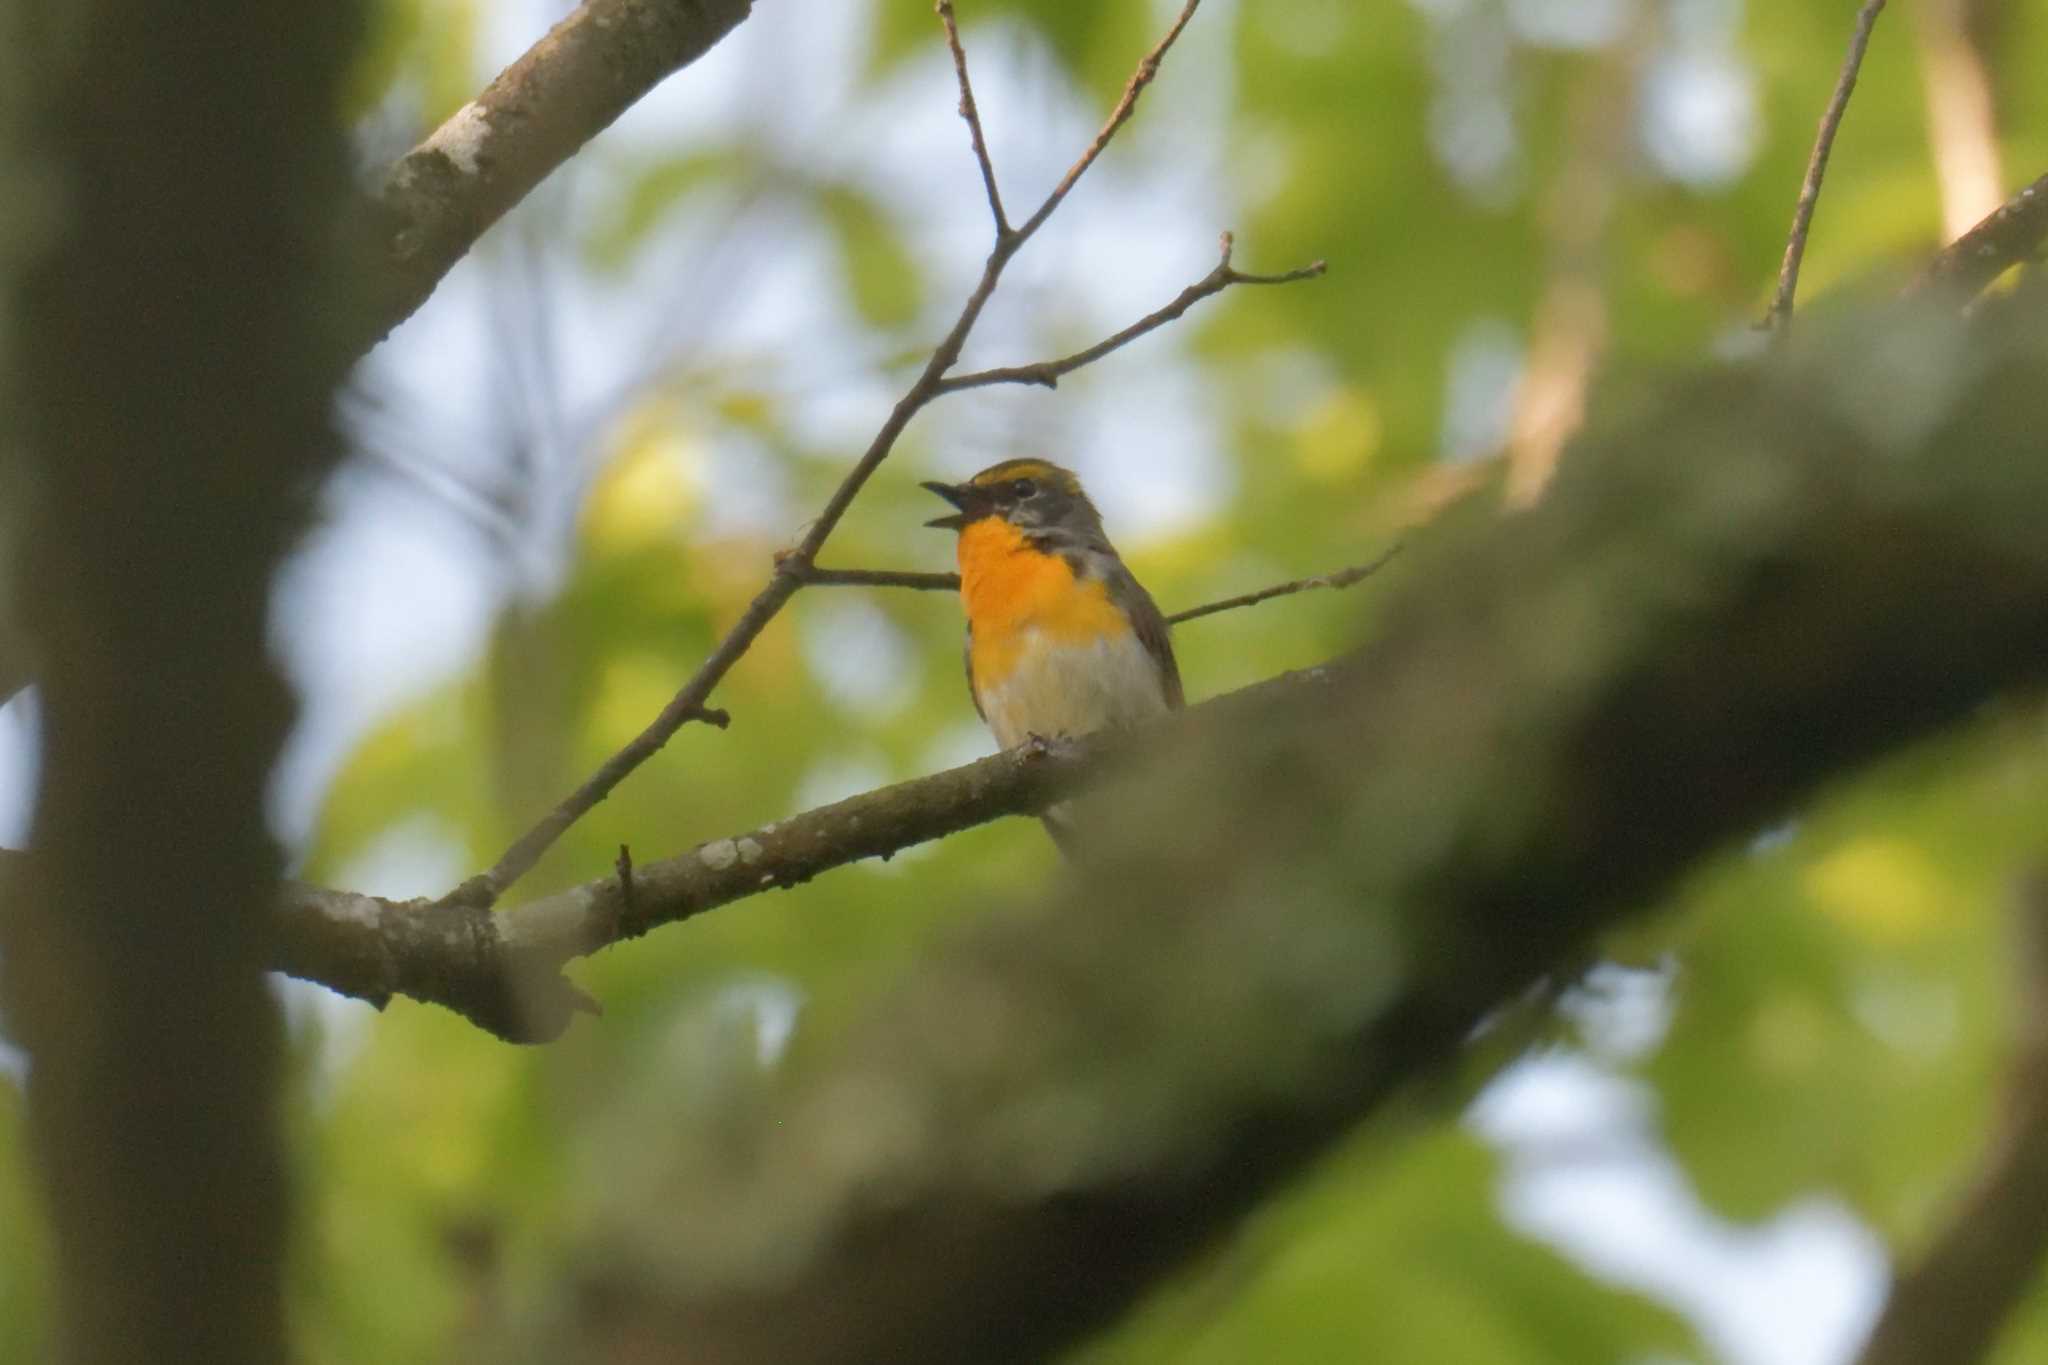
1061 639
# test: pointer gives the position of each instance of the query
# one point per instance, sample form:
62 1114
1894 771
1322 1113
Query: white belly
1065 689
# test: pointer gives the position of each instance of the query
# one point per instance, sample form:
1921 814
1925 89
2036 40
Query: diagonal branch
500 970
1047 373
2010 235
792 567
1148 68
489 154
1817 166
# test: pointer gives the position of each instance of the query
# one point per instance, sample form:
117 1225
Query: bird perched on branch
1061 639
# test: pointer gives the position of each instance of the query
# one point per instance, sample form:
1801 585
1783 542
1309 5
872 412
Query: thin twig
1142 77
2010 235
1342 578
881 578
792 568
972 115
1047 373
1953 1304
1817 165
950 582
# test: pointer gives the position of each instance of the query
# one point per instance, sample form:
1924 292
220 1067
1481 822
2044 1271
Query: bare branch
793 566
501 970
972 115
881 578
1342 578
950 582
1951 1306
1142 77
1047 373
1817 166
2010 236
568 87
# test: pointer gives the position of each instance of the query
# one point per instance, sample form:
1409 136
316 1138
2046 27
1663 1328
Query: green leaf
885 282
647 194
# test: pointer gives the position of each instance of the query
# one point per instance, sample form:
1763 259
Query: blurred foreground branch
1776 574
162 430
489 154
1988 1252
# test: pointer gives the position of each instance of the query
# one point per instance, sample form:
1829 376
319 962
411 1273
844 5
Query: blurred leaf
1098 42
645 197
1391 1250
1851 986
883 278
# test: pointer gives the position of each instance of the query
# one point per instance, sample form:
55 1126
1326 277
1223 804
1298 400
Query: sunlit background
573 465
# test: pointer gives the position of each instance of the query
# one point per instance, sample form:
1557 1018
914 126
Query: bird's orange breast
1019 598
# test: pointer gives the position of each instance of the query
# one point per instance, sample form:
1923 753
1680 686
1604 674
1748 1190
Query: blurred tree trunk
172 360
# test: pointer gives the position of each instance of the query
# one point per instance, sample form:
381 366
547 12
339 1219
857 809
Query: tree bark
176 347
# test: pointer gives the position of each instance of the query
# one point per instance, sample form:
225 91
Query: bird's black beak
957 494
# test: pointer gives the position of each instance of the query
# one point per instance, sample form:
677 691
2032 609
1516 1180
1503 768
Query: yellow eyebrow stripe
1025 469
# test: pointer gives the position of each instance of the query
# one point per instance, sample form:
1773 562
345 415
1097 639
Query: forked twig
1134 87
1047 373
1817 166
793 569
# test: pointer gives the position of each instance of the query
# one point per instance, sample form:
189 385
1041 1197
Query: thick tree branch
1817 166
1709 614
501 971
567 88
1951 1306
793 566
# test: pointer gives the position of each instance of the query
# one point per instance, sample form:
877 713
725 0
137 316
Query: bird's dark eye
1024 488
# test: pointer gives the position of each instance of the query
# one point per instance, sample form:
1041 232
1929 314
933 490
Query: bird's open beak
955 494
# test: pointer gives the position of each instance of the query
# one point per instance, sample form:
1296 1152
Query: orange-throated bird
1061 639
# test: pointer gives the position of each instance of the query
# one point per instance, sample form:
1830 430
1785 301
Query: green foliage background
1839 1007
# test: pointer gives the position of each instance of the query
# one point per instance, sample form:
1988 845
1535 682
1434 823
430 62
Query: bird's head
1031 495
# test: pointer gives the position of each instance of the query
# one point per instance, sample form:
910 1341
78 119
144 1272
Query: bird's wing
1150 627
967 658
